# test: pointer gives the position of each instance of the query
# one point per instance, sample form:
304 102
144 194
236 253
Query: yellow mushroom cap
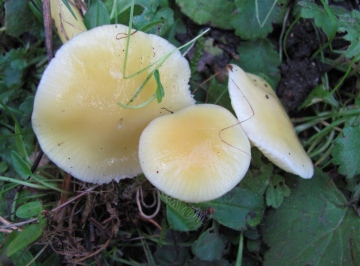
196 154
76 116
266 123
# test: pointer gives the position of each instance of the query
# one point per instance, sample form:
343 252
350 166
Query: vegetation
308 50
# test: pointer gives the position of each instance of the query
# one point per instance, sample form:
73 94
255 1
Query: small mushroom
76 116
266 123
196 154
67 23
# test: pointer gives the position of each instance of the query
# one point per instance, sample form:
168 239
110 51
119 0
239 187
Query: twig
6 222
48 28
75 198
96 252
10 225
6 231
19 224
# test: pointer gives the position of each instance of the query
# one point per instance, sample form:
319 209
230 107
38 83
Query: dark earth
299 72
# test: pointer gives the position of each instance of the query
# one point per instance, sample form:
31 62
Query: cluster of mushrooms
191 152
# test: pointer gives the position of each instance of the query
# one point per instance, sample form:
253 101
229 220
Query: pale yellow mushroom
196 154
266 123
76 116
67 24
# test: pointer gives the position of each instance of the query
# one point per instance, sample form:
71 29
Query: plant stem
240 250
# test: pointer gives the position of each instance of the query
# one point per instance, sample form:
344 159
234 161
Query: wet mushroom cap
76 116
266 123
196 154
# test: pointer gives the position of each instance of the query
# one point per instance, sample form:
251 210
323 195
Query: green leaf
218 94
18 17
8 241
314 226
22 258
12 67
96 15
209 246
172 253
350 23
147 27
253 19
258 177
346 151
27 236
36 9
318 94
120 10
260 58
276 191
181 217
29 210
327 22
215 13
237 209
3 167
165 15
154 16
51 260
66 3
26 107
198 262
20 165
19 141
160 93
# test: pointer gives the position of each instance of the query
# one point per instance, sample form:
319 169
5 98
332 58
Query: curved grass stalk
353 61
312 120
323 146
282 34
159 94
288 32
324 157
157 64
160 61
322 133
138 106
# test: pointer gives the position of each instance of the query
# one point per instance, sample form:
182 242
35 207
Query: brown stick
48 28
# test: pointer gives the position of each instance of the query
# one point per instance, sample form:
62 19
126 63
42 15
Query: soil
299 72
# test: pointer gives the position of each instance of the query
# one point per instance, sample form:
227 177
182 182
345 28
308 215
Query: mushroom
67 23
266 123
76 116
196 154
